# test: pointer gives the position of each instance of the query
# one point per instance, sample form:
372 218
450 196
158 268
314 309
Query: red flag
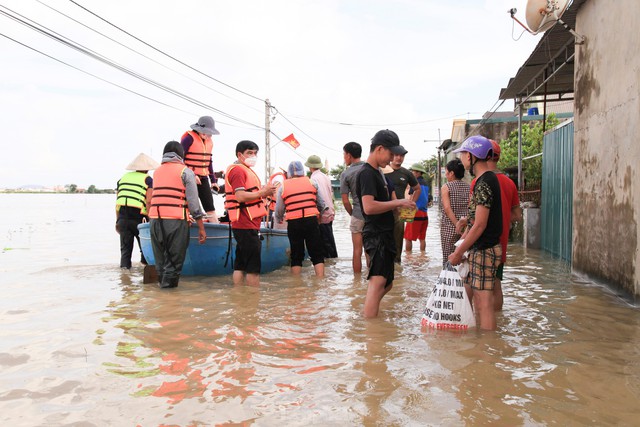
292 141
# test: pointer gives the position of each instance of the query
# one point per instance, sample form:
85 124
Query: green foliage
337 171
92 189
71 188
431 166
532 137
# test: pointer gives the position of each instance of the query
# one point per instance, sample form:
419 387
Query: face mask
250 161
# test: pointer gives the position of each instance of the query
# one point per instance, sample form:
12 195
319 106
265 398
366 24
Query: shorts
356 225
483 268
381 249
205 195
248 250
417 230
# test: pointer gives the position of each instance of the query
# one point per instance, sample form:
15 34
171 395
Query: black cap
388 139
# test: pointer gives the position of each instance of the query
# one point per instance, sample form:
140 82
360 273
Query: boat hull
209 259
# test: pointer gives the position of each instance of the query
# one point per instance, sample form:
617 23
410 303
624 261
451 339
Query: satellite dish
544 14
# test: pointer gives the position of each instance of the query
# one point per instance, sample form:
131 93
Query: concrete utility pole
520 174
267 143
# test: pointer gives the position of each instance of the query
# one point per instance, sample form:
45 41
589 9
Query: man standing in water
132 205
198 145
352 151
175 191
244 201
314 163
483 238
511 212
417 230
377 206
401 179
299 201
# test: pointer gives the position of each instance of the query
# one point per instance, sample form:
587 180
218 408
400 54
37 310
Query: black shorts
381 248
205 195
248 248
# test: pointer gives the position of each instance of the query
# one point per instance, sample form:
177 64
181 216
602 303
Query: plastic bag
448 306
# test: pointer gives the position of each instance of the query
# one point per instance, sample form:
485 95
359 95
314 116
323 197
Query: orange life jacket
198 157
169 200
254 208
299 197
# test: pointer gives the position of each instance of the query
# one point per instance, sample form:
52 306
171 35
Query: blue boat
209 259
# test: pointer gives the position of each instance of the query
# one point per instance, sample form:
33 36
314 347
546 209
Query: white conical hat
142 162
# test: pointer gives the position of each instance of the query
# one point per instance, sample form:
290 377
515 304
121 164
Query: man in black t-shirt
401 178
482 239
377 208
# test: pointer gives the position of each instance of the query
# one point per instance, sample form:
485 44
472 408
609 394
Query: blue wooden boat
209 258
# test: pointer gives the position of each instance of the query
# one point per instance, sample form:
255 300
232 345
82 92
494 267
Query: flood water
83 344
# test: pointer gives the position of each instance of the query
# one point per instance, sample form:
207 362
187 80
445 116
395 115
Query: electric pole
267 144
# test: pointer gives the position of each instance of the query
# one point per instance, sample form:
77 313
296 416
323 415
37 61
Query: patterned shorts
483 267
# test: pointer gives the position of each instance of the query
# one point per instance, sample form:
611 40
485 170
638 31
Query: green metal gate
557 191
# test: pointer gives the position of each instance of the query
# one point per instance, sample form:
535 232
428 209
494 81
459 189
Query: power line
95 55
306 134
93 75
381 124
143 55
166 54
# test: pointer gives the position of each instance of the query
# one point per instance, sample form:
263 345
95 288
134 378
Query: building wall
607 143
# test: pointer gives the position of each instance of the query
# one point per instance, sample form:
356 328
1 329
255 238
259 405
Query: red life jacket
169 200
198 157
254 208
299 196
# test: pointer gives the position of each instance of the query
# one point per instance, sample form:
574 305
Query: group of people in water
376 193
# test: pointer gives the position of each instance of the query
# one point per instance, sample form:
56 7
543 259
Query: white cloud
365 62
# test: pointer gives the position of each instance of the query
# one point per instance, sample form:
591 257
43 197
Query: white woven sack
448 306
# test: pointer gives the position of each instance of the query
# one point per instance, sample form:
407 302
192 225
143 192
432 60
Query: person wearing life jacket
417 230
299 202
175 196
132 202
198 146
245 205
325 192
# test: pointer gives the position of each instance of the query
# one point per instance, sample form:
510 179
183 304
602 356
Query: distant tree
532 137
71 188
431 166
92 189
337 171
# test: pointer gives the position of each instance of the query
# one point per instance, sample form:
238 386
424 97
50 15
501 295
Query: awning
553 56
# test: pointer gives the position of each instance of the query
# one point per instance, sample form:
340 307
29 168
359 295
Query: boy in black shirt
483 238
377 206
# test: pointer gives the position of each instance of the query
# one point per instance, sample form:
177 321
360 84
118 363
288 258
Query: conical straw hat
143 163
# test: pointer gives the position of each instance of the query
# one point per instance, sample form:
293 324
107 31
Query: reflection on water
84 344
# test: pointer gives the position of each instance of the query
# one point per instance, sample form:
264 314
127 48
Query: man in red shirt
511 212
244 201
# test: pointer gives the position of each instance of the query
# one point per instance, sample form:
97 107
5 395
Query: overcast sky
335 71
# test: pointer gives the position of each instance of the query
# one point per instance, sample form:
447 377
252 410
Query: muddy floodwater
84 344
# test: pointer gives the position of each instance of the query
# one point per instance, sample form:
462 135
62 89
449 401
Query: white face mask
251 161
